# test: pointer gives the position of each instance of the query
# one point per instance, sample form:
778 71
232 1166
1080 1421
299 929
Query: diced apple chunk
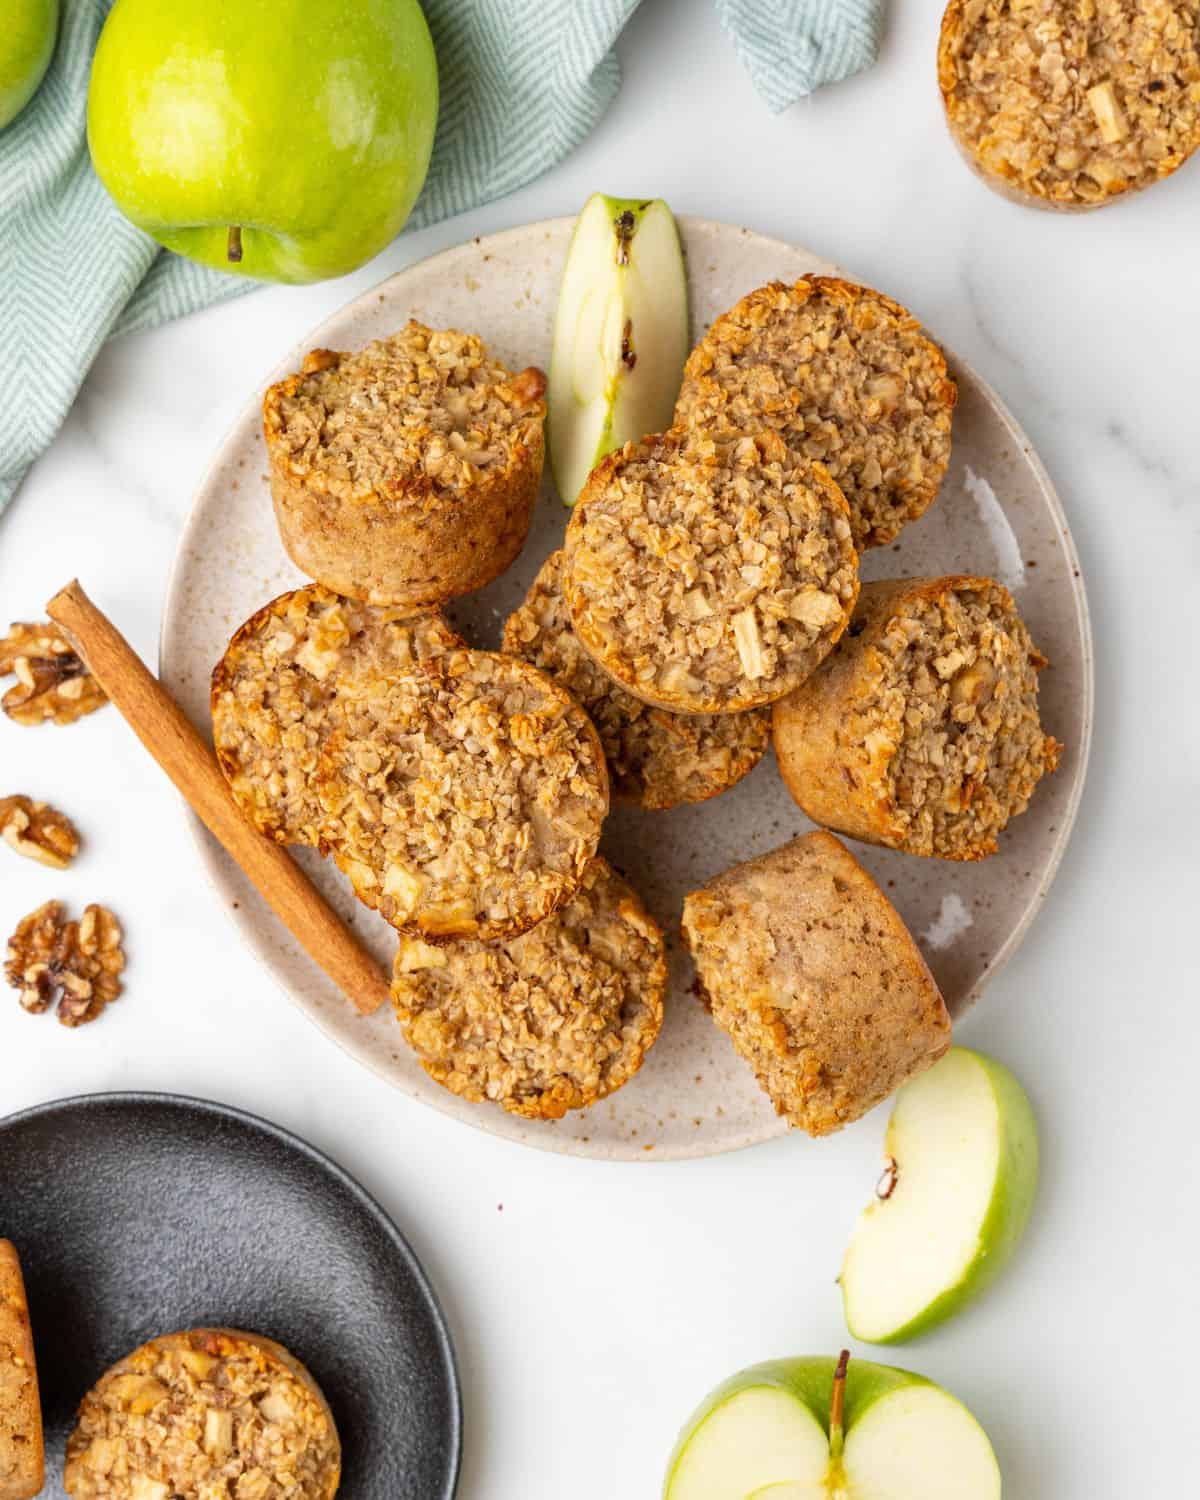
142 1487
198 1363
403 886
100 1454
218 1433
696 605
815 608
313 659
275 1406
138 1393
1107 174
749 643
451 919
1108 112
677 679
416 955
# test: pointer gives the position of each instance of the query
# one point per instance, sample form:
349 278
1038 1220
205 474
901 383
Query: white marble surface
594 1305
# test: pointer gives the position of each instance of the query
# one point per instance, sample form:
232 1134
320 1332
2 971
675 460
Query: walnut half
52 681
38 831
80 961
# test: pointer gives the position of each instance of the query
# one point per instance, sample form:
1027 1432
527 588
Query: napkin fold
74 272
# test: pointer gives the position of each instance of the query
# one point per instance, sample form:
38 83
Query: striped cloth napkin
73 272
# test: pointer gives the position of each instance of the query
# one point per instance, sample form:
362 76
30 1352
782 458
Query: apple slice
816 1429
953 1202
620 334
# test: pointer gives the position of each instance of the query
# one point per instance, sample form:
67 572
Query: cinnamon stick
172 740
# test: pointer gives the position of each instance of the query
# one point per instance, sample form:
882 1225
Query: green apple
819 1429
952 1204
27 36
282 139
620 334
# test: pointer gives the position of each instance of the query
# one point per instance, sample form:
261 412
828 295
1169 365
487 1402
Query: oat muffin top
275 694
848 377
959 706
464 798
422 412
709 578
549 1021
207 1413
656 759
1072 104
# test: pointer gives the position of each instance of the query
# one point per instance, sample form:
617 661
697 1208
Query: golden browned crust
22 1453
205 1412
406 473
921 731
464 798
1070 107
276 695
546 1022
709 577
655 758
806 965
847 377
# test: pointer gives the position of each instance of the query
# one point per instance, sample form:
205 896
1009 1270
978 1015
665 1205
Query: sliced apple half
816 1429
956 1194
620 334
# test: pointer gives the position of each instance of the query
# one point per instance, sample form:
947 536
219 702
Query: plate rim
193 1103
211 855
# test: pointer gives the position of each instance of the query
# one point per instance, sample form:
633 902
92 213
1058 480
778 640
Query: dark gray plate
137 1214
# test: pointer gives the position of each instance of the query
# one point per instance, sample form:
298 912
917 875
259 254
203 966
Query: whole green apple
820 1429
27 36
281 139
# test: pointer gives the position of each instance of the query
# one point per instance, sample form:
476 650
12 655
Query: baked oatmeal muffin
847 377
922 731
275 694
22 1454
464 798
546 1022
1068 106
655 758
207 1412
804 961
406 473
709 578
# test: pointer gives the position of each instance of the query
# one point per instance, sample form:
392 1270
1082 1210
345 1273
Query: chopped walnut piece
32 951
38 831
81 960
52 681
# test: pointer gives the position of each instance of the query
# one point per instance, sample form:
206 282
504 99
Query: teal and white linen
791 47
522 83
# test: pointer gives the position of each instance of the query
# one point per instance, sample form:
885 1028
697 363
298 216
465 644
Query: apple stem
837 1406
233 250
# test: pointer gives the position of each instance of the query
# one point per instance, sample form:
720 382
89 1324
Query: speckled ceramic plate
997 514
